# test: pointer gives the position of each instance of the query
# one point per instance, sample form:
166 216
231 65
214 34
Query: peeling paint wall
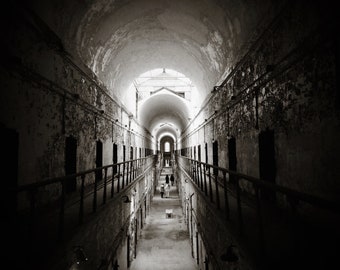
47 97
104 236
287 83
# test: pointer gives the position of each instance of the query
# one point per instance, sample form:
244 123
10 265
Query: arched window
167 147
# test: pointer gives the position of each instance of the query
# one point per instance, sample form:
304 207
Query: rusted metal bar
118 179
205 180
94 203
226 200
217 191
239 206
81 201
210 186
105 185
201 178
113 185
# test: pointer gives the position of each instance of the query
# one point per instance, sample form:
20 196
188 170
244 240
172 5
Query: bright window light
163 79
167 147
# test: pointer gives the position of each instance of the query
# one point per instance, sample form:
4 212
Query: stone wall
285 83
207 224
104 236
48 96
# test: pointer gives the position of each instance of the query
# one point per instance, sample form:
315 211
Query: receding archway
167 149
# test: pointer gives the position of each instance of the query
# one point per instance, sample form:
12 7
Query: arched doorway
167 148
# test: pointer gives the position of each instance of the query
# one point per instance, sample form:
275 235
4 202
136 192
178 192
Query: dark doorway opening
115 157
99 160
128 250
215 156
206 263
199 152
206 152
124 159
267 162
232 158
70 163
9 168
131 153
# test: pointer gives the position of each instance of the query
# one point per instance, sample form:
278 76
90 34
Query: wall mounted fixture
126 199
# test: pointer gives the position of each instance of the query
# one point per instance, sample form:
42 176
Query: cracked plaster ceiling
121 39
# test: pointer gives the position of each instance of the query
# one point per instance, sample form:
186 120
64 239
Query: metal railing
68 210
240 199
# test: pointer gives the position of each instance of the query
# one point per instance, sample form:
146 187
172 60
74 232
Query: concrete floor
164 242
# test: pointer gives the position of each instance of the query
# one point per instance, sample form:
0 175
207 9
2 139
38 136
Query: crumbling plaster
119 40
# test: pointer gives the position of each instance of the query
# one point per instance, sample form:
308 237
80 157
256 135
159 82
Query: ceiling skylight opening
163 80
165 134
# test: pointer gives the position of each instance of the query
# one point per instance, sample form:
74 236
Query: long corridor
164 242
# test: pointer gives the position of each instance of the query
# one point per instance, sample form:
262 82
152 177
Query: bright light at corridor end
166 134
163 80
161 97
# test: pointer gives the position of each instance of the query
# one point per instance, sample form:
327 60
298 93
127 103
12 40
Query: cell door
70 163
199 152
99 160
128 243
215 156
115 157
267 161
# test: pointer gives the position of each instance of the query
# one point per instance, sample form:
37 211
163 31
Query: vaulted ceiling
121 39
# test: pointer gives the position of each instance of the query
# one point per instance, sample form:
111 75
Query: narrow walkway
164 243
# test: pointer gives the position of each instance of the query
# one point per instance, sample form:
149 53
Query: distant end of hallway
164 242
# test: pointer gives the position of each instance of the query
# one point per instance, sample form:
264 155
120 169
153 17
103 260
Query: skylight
163 97
152 81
